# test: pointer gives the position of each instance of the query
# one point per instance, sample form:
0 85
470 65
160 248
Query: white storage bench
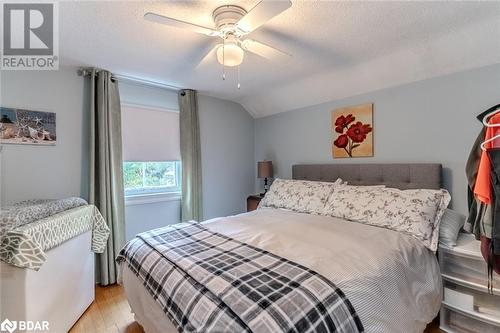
59 292
47 268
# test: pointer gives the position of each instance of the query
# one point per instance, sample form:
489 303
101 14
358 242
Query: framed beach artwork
352 129
27 127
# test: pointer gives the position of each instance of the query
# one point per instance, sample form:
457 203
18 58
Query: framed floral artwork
352 129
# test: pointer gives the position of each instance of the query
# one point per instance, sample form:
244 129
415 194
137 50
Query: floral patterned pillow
415 212
299 195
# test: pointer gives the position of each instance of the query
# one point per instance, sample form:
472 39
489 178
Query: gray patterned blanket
30 211
207 282
25 244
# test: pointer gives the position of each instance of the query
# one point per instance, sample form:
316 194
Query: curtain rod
87 72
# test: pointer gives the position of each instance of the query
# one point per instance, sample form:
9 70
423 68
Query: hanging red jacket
483 190
483 187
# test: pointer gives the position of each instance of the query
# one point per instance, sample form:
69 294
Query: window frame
160 193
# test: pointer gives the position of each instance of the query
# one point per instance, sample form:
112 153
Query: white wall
30 172
427 121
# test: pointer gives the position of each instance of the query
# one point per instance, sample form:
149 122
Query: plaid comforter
207 282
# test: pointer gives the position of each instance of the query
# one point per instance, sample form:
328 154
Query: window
151 153
151 177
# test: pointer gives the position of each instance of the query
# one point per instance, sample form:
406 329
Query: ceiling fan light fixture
230 55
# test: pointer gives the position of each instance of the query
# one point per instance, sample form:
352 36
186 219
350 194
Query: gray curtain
106 170
192 208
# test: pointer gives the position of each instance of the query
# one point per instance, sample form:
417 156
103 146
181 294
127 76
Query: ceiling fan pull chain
239 85
223 59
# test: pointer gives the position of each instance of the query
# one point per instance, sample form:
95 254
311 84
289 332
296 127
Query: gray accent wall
152 215
227 155
431 121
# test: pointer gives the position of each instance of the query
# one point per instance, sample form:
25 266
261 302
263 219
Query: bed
391 280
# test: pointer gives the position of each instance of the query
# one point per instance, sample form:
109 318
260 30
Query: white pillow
415 212
299 195
450 226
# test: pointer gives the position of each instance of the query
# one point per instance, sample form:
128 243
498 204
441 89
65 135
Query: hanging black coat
484 220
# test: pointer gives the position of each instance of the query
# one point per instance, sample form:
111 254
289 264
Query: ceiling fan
232 24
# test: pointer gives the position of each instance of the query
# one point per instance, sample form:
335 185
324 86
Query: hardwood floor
110 313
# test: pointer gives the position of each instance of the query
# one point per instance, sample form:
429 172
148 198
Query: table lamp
265 170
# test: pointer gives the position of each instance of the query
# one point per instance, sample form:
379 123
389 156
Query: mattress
391 279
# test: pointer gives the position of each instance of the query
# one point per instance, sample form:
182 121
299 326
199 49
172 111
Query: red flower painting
342 141
342 122
357 132
352 134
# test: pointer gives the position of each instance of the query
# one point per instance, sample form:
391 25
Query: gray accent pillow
451 224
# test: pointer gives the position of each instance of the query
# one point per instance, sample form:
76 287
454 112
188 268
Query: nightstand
467 306
253 202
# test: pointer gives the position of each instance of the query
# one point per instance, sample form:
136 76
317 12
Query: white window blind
150 134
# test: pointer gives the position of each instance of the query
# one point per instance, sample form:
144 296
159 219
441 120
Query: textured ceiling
339 49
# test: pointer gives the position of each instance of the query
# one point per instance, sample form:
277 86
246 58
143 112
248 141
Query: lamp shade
264 169
230 55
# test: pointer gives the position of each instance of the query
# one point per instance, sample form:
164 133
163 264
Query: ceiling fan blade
179 24
210 56
261 13
264 50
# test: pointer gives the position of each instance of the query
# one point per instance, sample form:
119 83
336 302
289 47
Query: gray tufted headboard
402 176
